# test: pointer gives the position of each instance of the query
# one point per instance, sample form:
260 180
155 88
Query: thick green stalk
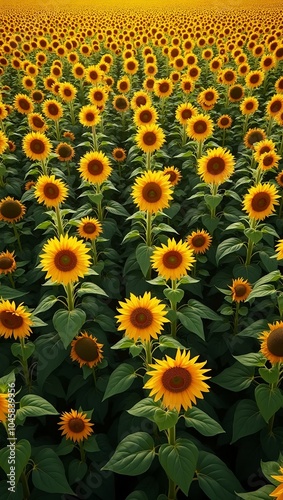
172 486
94 139
94 251
236 318
17 236
25 365
148 353
148 160
70 296
82 451
57 130
173 306
60 226
250 244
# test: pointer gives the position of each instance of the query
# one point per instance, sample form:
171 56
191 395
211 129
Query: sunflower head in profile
89 228
119 154
141 317
7 262
86 350
36 146
199 127
173 174
199 241
177 382
173 260
240 289
65 260
95 167
216 166
75 425
272 342
11 210
3 142
50 191
15 321
260 201
152 191
150 138
89 116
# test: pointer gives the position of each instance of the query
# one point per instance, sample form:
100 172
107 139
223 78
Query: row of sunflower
141 223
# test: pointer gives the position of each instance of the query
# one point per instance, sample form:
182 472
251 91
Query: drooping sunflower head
241 289
272 342
65 260
64 151
260 201
11 210
89 228
173 174
50 191
75 425
141 317
150 138
7 262
173 260
199 127
86 350
89 116
95 167
177 382
152 191
199 241
36 146
216 166
14 320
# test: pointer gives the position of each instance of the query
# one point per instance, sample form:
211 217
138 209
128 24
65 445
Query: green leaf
7 293
269 375
253 234
24 353
45 304
254 329
143 254
94 198
247 419
260 291
235 378
18 461
157 281
270 469
120 380
280 303
202 310
124 343
215 479
261 494
65 447
212 201
91 445
227 247
191 321
133 456
268 400
174 296
137 495
48 473
163 227
165 342
251 359
90 288
235 225
203 423
131 235
165 419
179 460
116 208
32 405
144 408
273 276
76 471
68 324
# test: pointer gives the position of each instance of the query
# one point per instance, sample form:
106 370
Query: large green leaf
45 304
49 474
270 469
215 479
144 408
227 247
7 293
18 461
165 419
203 423
90 288
68 324
143 254
120 380
262 494
133 456
247 419
202 310
235 378
251 359
191 321
179 461
32 405
268 400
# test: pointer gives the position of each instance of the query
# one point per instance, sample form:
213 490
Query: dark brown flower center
79 71
267 160
187 86
95 167
53 109
65 151
119 154
24 104
215 166
38 122
67 92
249 105
224 121
172 259
275 341
93 75
141 317
140 101
279 52
164 87
276 106
267 62
76 425
176 379
209 96
86 349
11 209
145 116
254 137
254 78
11 320
89 227
172 175
131 65
6 262
198 240
37 146
123 85
240 290
149 138
229 76
186 114
37 96
89 116
51 191
200 127
152 192
236 92
194 72
65 260
121 103
260 202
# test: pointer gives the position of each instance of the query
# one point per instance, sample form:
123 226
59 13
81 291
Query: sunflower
50 191
141 317
199 127
173 174
3 142
184 112
199 241
131 66
52 109
279 250
253 136
269 160
267 62
145 115
3 111
224 121
89 228
177 382
279 85
93 74
163 87
69 135
272 342
150 138
95 167
173 260
241 289
29 185
89 115
7 262
139 99
3 407
86 350
14 321
36 146
64 151
65 260
23 104
78 70
75 425
123 85
11 210
265 146
236 93
148 84
216 166
121 103
36 122
37 96
228 76
260 200
275 105
254 79
152 191
119 154
67 91
278 492
208 96
249 105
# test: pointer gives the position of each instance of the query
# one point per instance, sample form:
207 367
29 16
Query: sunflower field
141 250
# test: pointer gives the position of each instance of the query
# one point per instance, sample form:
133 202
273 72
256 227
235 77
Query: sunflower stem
280 208
11 280
70 296
171 440
236 318
223 137
94 251
148 237
173 306
246 122
94 375
184 135
250 244
17 236
44 167
24 363
213 190
60 226
26 492
148 353
71 107
82 452
94 139
199 149
269 127
281 146
57 130
148 161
